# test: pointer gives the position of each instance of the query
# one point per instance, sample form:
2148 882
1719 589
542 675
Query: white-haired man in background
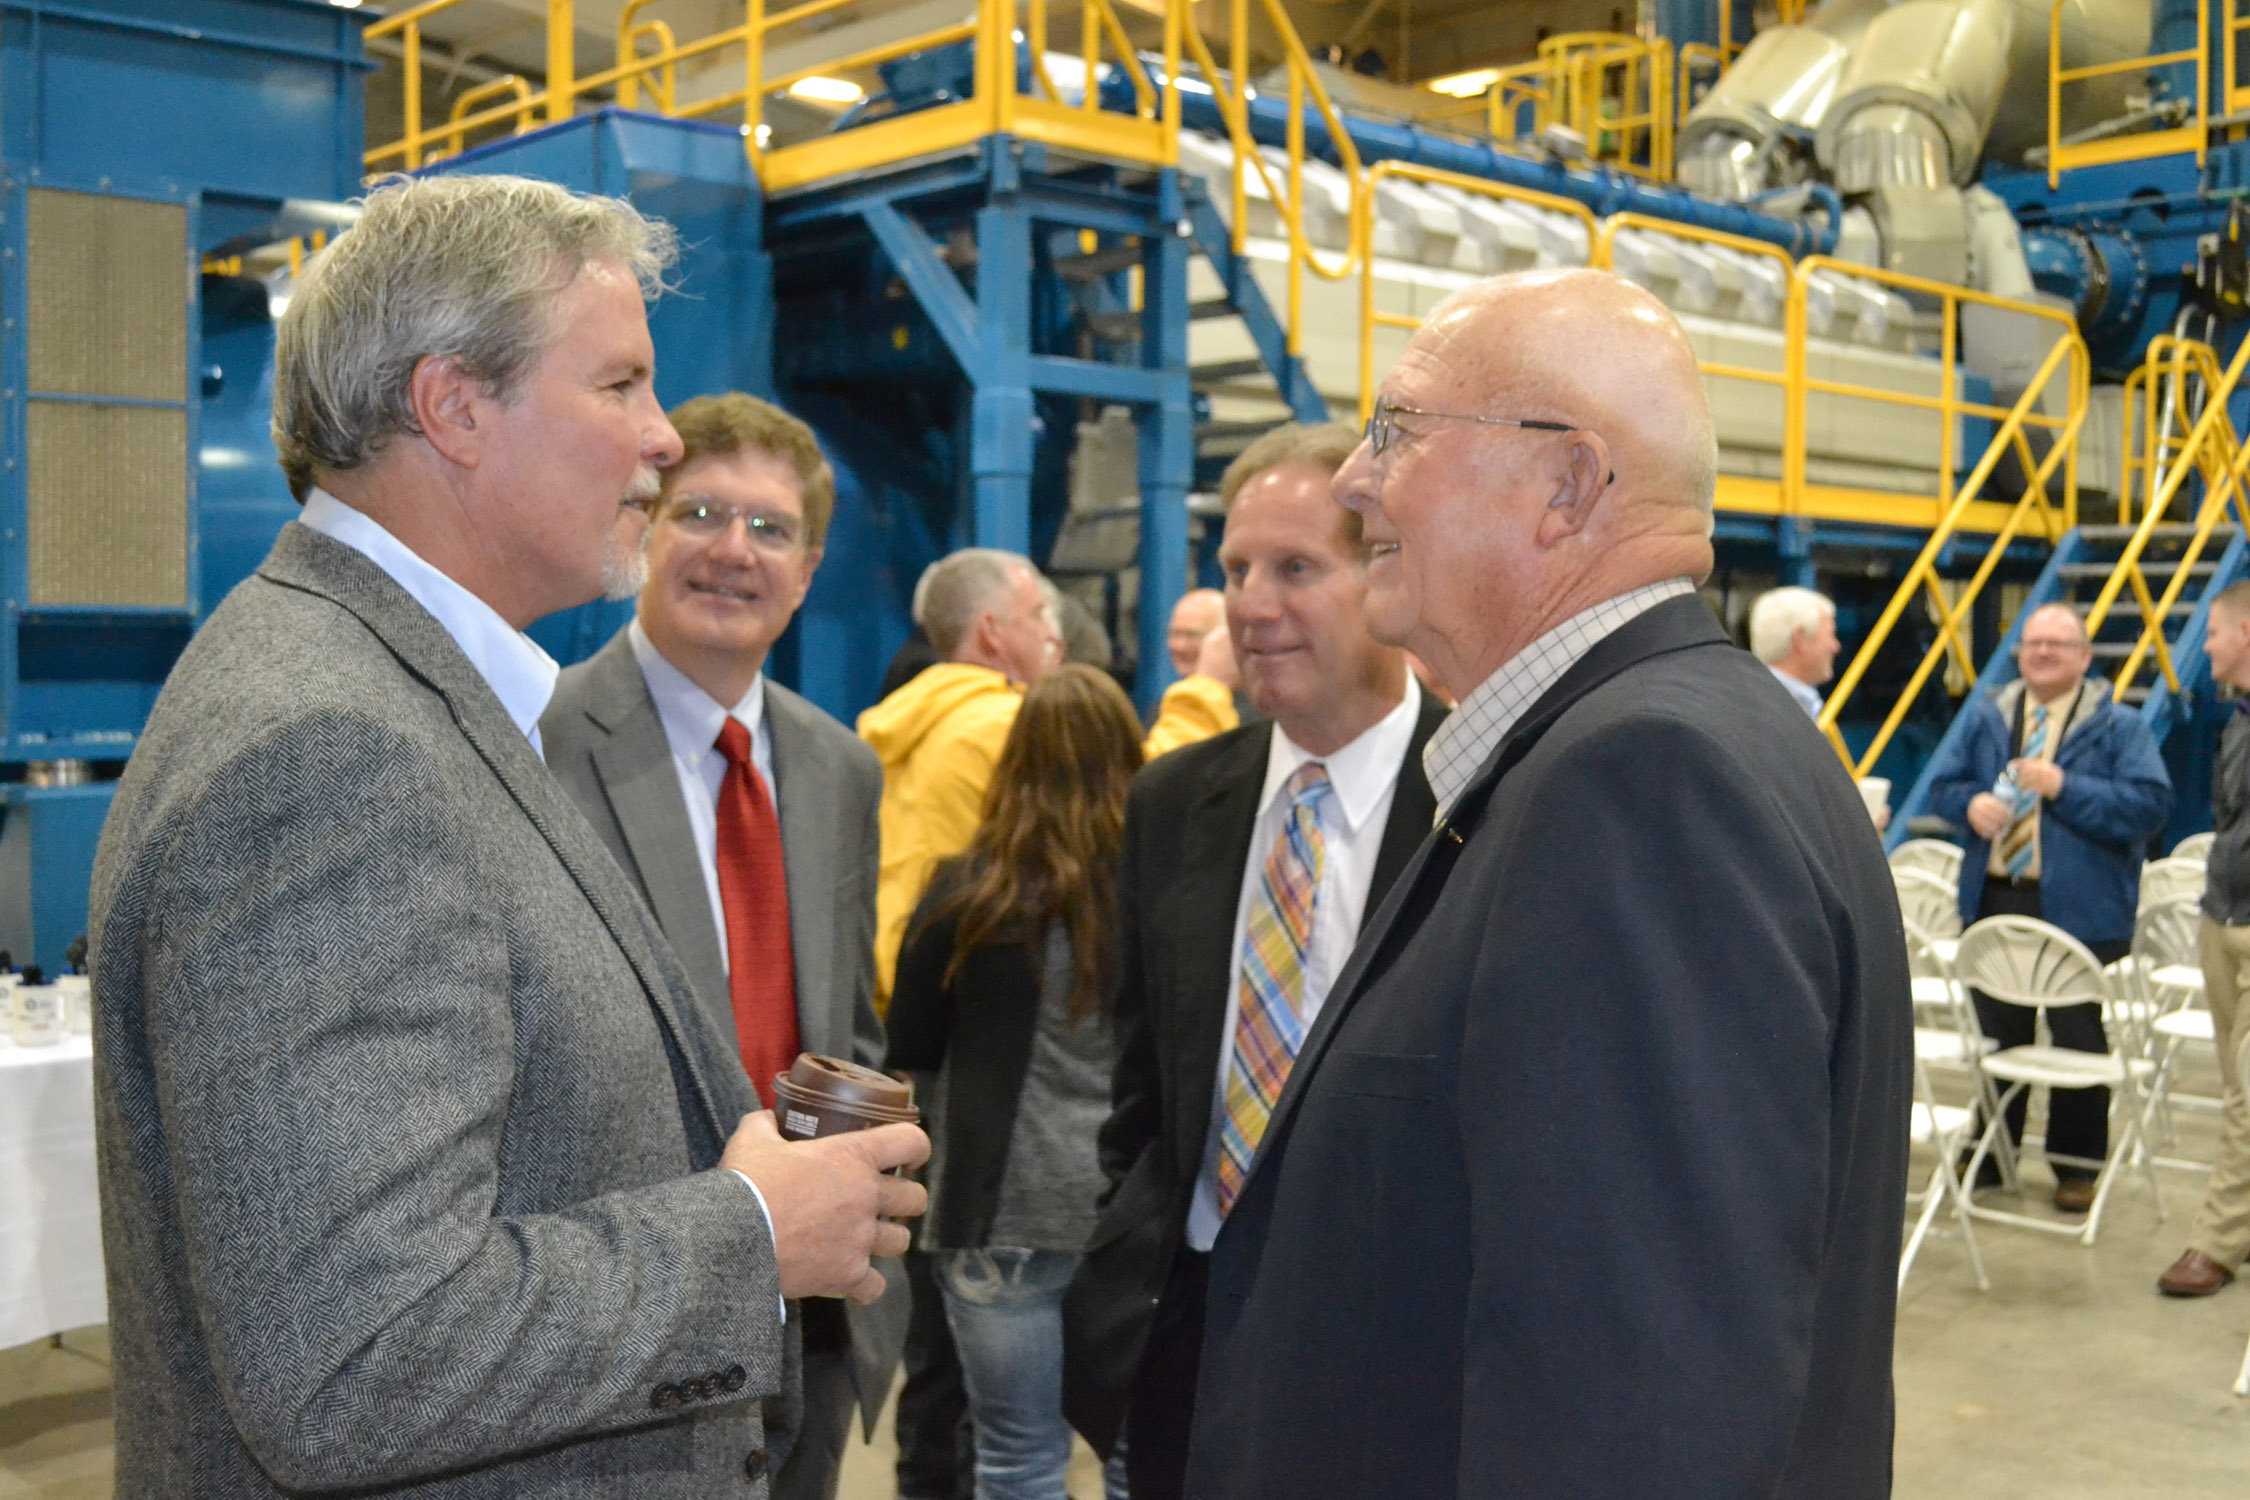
1793 631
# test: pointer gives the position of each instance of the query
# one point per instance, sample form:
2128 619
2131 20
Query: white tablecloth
50 1210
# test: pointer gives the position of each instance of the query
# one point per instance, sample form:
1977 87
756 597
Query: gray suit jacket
606 745
407 1112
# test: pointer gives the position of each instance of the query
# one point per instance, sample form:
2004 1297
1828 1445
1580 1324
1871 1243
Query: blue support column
1167 437
1001 422
1793 543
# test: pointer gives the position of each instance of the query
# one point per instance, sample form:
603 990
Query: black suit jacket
1186 844
1587 1181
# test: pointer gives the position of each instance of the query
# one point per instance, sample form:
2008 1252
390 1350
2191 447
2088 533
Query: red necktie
754 893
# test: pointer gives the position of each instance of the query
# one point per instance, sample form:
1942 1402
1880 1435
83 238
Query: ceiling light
345 4
1464 85
826 90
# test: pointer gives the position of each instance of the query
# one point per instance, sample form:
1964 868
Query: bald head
1193 618
1560 520
2052 653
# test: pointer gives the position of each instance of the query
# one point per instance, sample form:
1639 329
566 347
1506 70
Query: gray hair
1779 614
958 587
466 268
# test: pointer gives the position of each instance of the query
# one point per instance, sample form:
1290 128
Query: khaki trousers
2222 1224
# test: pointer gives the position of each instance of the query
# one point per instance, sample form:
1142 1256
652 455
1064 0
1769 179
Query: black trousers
815 1464
1162 1407
2077 1119
936 1445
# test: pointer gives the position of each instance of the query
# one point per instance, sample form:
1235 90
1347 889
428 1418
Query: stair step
1107 261
1208 308
1203 377
2179 531
1214 435
2150 567
2181 608
2136 695
1116 327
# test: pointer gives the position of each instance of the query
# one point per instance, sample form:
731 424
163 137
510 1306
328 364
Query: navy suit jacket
1587 1181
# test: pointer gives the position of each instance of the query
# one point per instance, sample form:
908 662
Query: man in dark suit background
1587 1180
646 735
1201 829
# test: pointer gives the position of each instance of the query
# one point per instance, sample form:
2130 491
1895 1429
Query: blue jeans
1005 1308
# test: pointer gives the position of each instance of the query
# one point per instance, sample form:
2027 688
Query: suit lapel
1412 810
805 794
1214 852
1674 625
304 559
632 760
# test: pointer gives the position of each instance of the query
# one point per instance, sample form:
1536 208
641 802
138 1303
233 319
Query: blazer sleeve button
662 1396
754 1467
737 1377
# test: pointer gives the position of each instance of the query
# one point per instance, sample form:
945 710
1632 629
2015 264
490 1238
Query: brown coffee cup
828 1096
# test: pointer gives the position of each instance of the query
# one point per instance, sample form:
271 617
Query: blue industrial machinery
137 485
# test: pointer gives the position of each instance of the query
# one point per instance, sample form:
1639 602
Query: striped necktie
1269 1023
2019 841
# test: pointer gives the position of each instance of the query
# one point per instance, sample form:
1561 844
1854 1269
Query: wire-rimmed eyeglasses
707 520
1383 425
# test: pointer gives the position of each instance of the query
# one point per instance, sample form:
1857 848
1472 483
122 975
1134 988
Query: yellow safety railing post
562 59
413 92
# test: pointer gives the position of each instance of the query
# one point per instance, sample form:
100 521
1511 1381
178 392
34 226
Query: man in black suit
1587 1180
1336 766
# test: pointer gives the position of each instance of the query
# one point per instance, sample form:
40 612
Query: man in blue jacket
2061 790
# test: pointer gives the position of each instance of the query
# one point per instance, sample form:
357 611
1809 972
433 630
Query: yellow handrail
2195 136
2067 357
665 80
1693 57
1576 75
2213 430
648 55
465 118
1363 247
1229 89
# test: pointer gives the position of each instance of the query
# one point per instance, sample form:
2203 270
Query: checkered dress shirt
1475 728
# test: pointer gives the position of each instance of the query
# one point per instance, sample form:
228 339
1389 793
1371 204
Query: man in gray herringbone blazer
421 1170
736 535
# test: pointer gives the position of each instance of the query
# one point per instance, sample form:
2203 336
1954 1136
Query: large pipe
1604 191
2104 273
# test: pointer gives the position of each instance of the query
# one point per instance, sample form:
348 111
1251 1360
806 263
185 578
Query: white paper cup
1875 792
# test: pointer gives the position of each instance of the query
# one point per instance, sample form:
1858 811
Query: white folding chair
2170 880
1931 857
2166 971
1944 1128
2196 846
1930 906
2021 961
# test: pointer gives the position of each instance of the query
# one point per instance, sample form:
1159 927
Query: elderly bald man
1586 1181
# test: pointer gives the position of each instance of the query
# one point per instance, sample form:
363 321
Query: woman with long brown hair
1002 988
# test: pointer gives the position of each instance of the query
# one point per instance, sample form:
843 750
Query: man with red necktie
722 794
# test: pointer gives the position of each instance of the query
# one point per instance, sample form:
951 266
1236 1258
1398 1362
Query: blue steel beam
929 278
1002 430
1244 295
1167 441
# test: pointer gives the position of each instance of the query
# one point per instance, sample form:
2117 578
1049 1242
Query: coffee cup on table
1875 792
821 1096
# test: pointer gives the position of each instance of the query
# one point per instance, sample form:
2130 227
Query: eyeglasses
1383 425
707 520
2049 645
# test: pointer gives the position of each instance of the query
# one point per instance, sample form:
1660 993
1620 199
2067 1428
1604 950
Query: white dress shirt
1362 777
691 719
1807 696
1482 720
520 675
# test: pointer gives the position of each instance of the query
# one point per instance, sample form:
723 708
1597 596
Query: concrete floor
2071 1377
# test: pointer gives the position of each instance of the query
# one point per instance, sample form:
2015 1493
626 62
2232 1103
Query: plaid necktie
2019 840
1269 1023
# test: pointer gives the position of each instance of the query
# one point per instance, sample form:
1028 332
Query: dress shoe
2194 1274
2074 1195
